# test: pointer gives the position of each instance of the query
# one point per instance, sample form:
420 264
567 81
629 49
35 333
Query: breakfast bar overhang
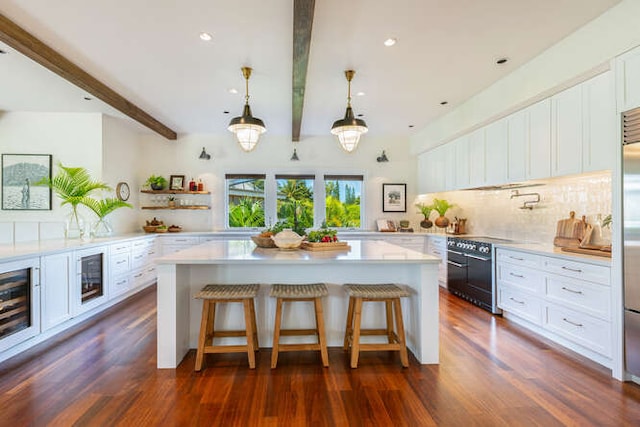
182 274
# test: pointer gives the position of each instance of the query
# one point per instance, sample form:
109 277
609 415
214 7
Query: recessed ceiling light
87 98
360 115
410 126
3 52
225 112
390 42
205 37
233 90
444 102
360 94
502 61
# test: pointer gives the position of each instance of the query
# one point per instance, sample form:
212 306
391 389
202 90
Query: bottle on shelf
200 185
192 185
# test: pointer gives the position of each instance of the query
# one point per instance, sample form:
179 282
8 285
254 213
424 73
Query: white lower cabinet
569 300
131 266
437 246
57 274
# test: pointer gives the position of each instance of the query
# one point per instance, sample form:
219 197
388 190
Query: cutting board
570 231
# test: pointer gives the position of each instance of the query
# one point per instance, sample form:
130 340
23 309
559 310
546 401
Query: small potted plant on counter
156 182
441 206
425 210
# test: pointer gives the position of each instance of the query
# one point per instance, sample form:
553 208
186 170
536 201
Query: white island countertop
245 251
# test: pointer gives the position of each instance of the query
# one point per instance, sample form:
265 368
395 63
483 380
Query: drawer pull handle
519 276
580 325
436 252
516 258
122 282
515 300
571 290
575 270
120 262
138 275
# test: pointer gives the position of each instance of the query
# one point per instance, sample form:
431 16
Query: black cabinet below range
470 270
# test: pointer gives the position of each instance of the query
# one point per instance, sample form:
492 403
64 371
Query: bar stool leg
204 330
249 332
276 334
317 303
404 357
256 346
389 310
348 334
355 344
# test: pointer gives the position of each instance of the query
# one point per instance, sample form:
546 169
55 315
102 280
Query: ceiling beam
302 24
30 46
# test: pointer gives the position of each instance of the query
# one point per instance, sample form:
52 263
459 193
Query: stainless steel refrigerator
631 237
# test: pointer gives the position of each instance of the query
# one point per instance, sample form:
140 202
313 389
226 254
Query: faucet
528 204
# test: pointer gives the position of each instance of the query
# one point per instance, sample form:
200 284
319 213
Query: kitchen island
182 274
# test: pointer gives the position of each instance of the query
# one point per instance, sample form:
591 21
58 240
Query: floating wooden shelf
190 207
174 192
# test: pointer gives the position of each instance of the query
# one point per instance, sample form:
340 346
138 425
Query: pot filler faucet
528 204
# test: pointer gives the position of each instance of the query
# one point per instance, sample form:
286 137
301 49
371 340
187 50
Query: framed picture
176 182
21 174
394 197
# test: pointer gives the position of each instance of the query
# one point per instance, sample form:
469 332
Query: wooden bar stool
292 293
215 294
390 294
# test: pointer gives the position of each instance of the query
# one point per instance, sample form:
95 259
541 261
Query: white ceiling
149 52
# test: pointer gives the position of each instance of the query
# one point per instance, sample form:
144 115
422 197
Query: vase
442 221
425 223
102 228
157 187
75 225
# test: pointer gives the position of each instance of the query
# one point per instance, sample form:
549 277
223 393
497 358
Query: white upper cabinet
496 153
538 155
567 132
477 158
628 79
461 162
436 170
517 139
423 173
600 136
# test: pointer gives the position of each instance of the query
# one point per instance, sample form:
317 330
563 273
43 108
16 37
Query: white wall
317 155
579 56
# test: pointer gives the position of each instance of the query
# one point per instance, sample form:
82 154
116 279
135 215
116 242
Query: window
246 196
295 201
342 200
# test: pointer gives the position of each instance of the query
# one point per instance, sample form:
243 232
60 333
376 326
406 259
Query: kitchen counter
182 274
554 251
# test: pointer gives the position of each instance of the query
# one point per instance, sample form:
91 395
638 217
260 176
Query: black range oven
470 270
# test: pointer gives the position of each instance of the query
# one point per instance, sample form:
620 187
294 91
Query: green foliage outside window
340 213
295 204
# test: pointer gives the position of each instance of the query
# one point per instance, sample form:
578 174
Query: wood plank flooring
492 373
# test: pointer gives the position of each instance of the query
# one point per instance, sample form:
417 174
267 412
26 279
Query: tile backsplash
495 213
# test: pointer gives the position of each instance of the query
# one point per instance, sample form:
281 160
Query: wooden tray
327 246
596 252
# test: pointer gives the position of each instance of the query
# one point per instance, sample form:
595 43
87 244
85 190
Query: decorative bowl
263 242
149 228
287 239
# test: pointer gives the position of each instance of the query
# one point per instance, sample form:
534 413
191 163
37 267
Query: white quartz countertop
245 251
554 251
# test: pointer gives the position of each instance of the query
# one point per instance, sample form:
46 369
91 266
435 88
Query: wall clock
122 191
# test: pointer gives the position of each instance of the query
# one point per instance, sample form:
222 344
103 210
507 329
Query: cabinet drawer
410 242
119 285
118 248
518 258
579 270
180 240
589 332
521 304
523 278
120 264
139 258
143 243
583 296
138 277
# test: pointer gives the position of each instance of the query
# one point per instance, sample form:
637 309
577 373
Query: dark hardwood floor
492 373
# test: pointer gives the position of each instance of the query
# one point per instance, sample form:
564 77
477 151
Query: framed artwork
394 197
21 174
176 182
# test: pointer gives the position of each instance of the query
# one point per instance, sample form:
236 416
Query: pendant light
349 129
246 127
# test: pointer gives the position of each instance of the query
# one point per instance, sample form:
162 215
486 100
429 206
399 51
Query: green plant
156 182
441 206
606 222
172 198
104 207
425 209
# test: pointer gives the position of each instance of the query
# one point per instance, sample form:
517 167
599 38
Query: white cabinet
57 277
477 158
538 154
424 167
628 80
496 153
461 163
568 299
437 246
131 265
416 243
517 141
567 132
171 244
436 170
600 137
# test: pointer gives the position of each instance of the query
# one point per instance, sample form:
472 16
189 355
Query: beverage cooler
91 283
19 302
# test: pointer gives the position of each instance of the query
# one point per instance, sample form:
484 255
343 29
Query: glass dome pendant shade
349 129
246 127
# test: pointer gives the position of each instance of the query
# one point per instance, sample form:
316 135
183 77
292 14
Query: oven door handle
455 252
456 264
477 257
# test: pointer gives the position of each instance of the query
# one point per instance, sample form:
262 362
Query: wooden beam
30 46
302 25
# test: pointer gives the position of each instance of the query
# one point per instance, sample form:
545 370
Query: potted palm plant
441 206
425 210
102 208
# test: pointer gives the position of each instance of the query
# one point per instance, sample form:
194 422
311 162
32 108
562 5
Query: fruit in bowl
162 229
287 239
